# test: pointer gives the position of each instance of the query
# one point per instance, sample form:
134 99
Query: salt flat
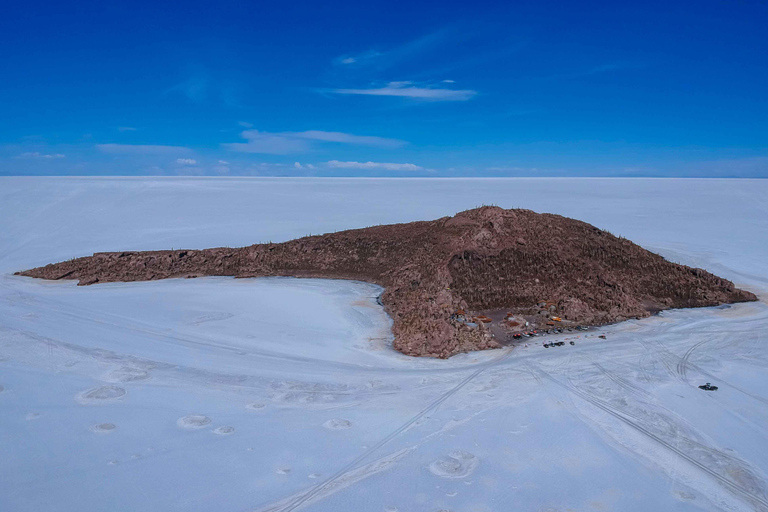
283 394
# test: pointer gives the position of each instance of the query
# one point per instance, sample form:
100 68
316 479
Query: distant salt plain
284 394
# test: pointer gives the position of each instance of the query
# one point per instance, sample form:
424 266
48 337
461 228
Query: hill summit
443 278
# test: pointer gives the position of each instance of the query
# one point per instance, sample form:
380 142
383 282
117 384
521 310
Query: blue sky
385 88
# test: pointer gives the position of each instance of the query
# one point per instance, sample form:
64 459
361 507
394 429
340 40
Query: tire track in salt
663 352
329 482
759 502
130 325
685 362
622 382
715 378
682 366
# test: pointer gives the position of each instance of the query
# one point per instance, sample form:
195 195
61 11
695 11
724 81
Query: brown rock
473 261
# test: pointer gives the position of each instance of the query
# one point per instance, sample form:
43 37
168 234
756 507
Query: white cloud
348 138
298 165
268 143
335 164
245 124
449 81
126 129
296 142
186 161
42 155
360 59
409 90
223 162
140 149
420 48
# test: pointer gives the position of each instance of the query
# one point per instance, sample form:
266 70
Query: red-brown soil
484 259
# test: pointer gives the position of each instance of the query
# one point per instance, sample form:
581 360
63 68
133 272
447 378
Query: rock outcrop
479 260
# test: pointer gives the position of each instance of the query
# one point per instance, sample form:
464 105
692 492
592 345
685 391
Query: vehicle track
302 499
687 364
131 325
759 502
662 356
622 382
715 378
641 363
662 352
682 365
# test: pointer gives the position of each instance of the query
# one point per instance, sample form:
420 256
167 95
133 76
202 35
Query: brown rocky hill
535 266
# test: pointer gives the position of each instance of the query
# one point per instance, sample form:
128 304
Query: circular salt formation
2 389
103 428
129 374
255 406
337 424
457 464
193 421
102 393
223 430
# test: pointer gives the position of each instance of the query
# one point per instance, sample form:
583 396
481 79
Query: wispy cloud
126 129
411 90
348 138
386 166
358 60
186 161
245 124
268 143
381 59
47 156
140 149
284 143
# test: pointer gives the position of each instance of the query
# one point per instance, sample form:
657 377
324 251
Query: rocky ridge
478 260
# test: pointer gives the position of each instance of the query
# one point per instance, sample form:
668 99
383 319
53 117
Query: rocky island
445 280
